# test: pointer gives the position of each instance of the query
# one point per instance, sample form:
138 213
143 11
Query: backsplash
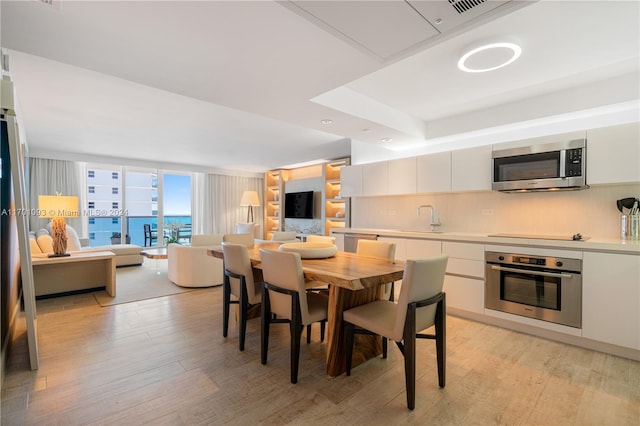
591 212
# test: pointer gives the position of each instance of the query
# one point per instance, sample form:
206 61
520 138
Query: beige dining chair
320 239
421 304
386 249
284 295
245 239
238 282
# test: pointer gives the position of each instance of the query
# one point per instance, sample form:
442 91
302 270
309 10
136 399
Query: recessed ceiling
244 85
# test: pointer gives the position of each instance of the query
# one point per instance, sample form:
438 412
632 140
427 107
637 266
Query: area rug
134 283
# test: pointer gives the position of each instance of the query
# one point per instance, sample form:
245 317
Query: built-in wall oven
545 288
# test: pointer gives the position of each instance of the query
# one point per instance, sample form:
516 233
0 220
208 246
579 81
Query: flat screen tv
298 205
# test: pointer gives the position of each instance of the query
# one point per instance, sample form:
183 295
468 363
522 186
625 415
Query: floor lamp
57 207
249 199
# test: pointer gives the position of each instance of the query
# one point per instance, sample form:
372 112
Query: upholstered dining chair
149 234
320 239
238 282
421 304
386 249
245 239
284 295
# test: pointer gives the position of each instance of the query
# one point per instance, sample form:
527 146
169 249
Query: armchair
191 266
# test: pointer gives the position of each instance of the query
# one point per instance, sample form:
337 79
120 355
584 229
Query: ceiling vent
462 6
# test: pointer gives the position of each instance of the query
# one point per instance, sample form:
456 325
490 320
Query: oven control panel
555 263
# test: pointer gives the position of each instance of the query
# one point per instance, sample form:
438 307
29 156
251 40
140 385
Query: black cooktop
576 237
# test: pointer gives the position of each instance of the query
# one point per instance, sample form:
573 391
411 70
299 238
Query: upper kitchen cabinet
351 181
402 176
433 173
375 178
613 153
471 169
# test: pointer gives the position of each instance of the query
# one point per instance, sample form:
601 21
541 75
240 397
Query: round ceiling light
489 57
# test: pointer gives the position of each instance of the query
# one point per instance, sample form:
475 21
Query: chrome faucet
434 224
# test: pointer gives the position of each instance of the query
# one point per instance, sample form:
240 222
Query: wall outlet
487 212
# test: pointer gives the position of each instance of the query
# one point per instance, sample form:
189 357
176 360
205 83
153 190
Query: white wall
592 212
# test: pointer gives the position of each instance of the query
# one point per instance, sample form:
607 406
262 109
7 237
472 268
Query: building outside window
92 190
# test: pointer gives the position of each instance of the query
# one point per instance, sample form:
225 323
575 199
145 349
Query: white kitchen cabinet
433 172
611 298
401 246
464 282
402 176
339 240
417 249
613 154
375 179
471 169
351 181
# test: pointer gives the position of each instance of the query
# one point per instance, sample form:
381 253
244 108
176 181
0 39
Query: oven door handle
526 271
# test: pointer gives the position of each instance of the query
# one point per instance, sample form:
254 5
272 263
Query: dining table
353 280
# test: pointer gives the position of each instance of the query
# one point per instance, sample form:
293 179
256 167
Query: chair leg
226 301
323 325
410 357
308 334
264 329
384 348
243 320
296 334
349 331
441 340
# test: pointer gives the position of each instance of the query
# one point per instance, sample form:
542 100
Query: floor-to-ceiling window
123 199
176 204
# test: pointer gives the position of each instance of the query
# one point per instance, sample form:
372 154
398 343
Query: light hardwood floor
164 362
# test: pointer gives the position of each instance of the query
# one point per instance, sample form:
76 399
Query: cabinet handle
526 271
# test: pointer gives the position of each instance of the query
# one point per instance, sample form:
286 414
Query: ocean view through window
121 200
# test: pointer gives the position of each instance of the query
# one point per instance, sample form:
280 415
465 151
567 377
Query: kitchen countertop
611 245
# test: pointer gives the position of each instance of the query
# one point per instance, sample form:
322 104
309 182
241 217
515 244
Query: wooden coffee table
156 254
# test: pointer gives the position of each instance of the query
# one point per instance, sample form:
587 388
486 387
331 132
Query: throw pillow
45 242
33 244
73 241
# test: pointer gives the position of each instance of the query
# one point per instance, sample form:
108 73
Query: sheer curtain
50 177
216 209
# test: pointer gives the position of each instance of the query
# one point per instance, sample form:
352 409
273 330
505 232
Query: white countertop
592 244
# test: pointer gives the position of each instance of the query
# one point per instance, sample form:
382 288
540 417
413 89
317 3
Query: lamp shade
57 206
249 198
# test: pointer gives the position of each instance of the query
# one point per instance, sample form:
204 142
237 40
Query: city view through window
122 200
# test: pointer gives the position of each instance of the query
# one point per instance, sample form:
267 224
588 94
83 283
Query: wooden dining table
354 280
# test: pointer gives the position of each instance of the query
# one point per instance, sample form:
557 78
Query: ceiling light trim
516 52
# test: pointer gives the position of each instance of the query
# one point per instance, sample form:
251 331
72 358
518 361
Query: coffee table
156 254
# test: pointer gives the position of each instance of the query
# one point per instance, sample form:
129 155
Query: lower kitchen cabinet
611 299
464 293
464 282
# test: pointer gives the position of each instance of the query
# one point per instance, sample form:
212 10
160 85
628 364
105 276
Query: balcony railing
103 228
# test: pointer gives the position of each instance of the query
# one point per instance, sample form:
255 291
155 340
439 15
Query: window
91 173
92 221
92 190
114 190
92 205
115 220
92 235
114 175
114 205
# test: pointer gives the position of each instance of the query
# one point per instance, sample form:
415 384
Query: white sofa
191 266
41 246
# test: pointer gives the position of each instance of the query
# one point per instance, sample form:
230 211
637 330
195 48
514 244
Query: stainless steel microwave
554 166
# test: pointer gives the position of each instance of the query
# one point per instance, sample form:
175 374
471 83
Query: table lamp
249 199
57 207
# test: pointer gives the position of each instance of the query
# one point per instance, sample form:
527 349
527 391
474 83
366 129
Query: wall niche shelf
333 210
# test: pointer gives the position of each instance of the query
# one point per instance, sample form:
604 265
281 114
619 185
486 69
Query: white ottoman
126 254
